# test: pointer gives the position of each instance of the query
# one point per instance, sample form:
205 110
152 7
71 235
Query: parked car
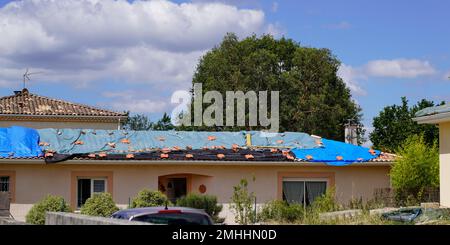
165 215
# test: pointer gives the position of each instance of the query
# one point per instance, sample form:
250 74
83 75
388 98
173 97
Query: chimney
351 134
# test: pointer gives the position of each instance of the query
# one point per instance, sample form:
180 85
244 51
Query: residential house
76 163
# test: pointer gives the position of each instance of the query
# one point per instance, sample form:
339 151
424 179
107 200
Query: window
303 191
4 183
88 187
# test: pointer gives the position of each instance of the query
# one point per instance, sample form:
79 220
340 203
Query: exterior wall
444 165
55 124
33 182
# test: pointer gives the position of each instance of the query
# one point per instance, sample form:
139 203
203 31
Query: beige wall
444 165
52 124
33 182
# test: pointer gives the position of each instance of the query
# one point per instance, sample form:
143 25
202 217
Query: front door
176 188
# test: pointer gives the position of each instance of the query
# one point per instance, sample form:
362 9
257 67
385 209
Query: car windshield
174 219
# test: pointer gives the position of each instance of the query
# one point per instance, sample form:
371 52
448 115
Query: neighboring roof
434 114
28 104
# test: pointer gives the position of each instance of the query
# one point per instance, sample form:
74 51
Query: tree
417 167
138 122
313 99
142 122
164 123
394 125
242 203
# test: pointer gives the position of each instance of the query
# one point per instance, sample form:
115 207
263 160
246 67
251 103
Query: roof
433 115
433 110
197 156
28 104
86 145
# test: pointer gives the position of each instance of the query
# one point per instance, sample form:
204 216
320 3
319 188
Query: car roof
148 210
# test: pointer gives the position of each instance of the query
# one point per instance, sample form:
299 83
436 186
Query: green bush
281 212
100 204
242 203
416 169
50 203
326 202
205 202
148 198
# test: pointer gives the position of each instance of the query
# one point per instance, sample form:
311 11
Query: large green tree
313 99
394 125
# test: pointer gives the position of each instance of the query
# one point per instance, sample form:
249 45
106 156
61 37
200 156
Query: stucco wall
53 124
444 165
35 181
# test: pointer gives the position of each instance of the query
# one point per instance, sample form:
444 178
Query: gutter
185 163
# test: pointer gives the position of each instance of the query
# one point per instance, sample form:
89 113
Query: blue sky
95 53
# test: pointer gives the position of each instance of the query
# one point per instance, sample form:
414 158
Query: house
440 115
75 150
76 163
35 111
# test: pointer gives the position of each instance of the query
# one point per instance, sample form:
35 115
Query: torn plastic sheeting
332 150
18 141
63 140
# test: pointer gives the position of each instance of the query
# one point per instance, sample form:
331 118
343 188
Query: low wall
59 218
9 221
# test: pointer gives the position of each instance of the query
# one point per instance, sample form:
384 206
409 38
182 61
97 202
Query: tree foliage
417 167
394 125
313 99
142 122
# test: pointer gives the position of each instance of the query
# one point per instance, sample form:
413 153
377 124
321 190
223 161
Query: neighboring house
34 111
440 115
66 171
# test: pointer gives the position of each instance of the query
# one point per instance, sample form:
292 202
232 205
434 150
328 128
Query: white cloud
396 68
399 68
146 41
128 101
351 76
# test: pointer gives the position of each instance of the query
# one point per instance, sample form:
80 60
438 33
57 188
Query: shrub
205 202
282 212
50 203
416 169
326 202
148 198
242 203
100 204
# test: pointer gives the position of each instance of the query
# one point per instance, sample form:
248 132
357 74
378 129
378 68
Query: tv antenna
26 76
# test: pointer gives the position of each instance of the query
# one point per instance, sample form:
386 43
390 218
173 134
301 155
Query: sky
132 55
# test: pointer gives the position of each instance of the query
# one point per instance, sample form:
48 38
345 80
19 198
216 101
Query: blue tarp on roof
25 142
89 141
19 142
331 150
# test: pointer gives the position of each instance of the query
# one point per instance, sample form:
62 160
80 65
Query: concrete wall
33 182
54 124
57 218
444 165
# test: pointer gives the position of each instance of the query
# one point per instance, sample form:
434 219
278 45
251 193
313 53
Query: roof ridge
73 103
37 100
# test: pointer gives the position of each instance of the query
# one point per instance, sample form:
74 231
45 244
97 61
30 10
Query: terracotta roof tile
26 103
